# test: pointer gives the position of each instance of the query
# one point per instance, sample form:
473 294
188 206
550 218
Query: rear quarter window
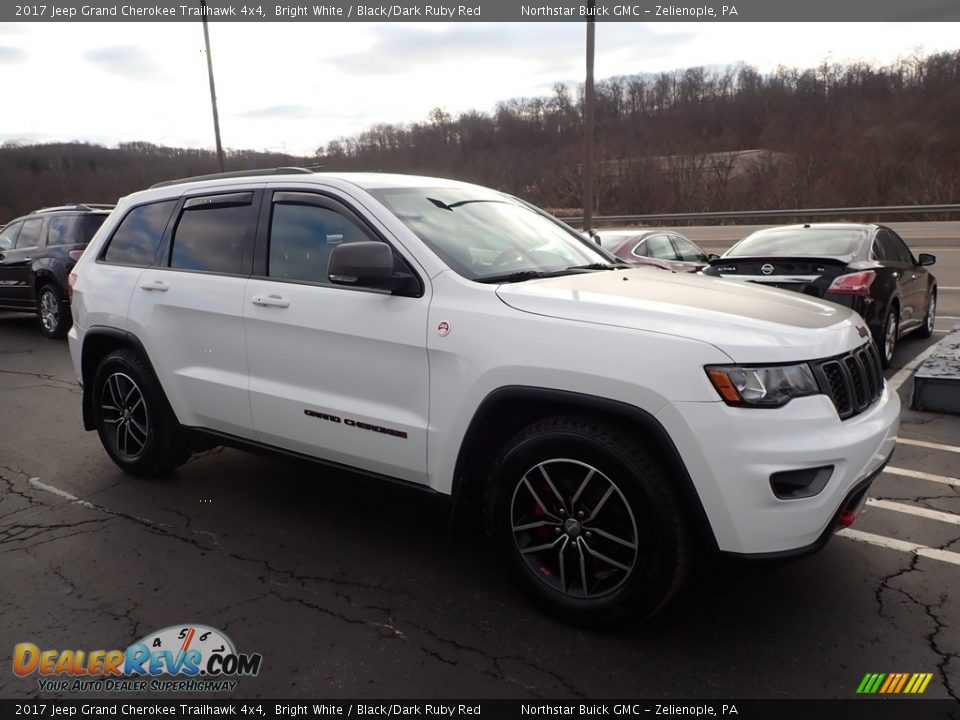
74 229
136 239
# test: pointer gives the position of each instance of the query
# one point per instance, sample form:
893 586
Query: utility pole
588 124
213 87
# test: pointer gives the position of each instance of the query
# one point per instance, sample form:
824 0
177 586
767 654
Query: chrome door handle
157 285
27 259
270 301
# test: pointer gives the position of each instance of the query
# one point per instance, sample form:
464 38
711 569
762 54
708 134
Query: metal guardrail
797 212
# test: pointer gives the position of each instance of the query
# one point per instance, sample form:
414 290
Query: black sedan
866 267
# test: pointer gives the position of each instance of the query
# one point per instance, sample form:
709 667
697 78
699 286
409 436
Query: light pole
213 87
588 124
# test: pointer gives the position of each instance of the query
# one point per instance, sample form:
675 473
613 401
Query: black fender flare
565 401
112 338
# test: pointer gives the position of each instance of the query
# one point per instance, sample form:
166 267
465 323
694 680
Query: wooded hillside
693 140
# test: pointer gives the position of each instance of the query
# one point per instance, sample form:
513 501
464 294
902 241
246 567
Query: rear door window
215 233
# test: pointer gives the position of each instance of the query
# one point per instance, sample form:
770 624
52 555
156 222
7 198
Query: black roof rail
76 206
236 174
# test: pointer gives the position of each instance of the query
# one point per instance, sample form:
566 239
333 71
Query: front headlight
772 386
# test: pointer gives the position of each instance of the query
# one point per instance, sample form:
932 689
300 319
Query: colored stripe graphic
891 681
903 679
894 683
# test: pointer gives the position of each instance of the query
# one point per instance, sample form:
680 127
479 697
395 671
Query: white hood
749 323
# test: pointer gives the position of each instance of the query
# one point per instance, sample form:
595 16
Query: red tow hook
847 518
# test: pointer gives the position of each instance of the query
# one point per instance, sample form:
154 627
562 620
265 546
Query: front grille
853 381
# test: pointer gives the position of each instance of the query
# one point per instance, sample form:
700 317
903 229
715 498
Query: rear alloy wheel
926 330
888 338
54 313
587 521
136 425
125 416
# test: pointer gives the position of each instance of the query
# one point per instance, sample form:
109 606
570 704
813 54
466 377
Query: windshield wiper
599 266
444 206
521 275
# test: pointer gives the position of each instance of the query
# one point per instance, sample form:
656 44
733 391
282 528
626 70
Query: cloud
124 60
399 49
281 112
10 55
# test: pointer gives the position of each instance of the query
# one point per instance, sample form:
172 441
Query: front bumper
730 454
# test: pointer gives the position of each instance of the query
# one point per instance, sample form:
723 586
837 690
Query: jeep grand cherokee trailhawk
607 420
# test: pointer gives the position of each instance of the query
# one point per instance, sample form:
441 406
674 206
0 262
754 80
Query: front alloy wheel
587 518
926 330
574 528
890 328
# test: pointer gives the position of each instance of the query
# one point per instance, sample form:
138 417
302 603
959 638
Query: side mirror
926 259
712 256
367 264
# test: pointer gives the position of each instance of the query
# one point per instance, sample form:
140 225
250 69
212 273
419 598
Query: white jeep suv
607 420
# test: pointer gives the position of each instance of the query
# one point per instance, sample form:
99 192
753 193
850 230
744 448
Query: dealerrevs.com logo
179 658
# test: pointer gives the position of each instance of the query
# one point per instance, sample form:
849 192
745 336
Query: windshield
806 241
484 235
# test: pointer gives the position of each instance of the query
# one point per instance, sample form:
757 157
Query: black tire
53 311
133 418
929 319
887 337
642 508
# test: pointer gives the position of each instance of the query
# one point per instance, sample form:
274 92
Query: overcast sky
293 87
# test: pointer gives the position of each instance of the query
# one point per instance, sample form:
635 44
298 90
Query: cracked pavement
353 589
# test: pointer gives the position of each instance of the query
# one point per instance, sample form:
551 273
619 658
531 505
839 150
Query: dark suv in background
37 253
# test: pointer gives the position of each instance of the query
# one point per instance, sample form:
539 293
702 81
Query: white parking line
903 472
77 501
931 445
952 289
901 545
914 510
62 493
907 370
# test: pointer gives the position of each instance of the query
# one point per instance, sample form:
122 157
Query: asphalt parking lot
353 589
